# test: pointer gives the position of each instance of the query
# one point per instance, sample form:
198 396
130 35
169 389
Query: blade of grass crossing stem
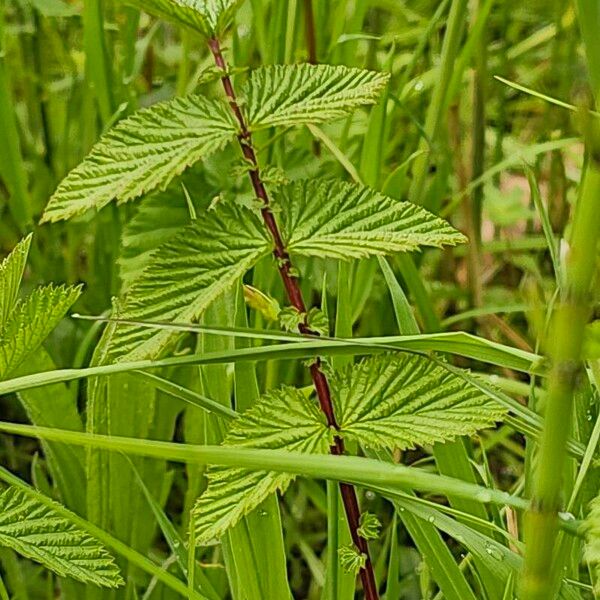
264 524
457 343
363 471
569 322
451 458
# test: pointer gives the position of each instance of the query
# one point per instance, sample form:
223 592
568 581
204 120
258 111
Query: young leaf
282 419
11 272
30 323
208 17
404 400
143 152
331 218
186 274
299 94
36 531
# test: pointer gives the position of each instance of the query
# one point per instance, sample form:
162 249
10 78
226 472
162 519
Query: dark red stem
294 294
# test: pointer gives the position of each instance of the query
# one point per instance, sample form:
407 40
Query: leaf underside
403 400
282 419
187 273
299 94
36 531
208 17
142 153
332 218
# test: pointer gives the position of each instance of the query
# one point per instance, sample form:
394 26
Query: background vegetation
485 122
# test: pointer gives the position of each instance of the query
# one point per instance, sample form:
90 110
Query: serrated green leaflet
25 324
34 530
299 94
208 17
332 218
186 275
11 272
284 419
592 534
30 323
142 153
404 400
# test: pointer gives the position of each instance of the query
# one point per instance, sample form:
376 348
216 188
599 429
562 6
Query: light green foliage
283 419
36 531
208 17
290 318
369 526
405 400
187 274
267 306
31 322
351 559
591 528
298 94
332 218
25 324
142 153
317 320
11 273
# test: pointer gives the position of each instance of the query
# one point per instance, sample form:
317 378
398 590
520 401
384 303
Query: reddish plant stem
294 294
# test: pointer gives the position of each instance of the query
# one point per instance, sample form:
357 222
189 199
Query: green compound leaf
36 531
300 94
405 400
142 153
331 218
208 17
184 276
282 419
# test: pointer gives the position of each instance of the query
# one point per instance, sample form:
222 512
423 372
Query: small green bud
369 526
268 307
351 559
